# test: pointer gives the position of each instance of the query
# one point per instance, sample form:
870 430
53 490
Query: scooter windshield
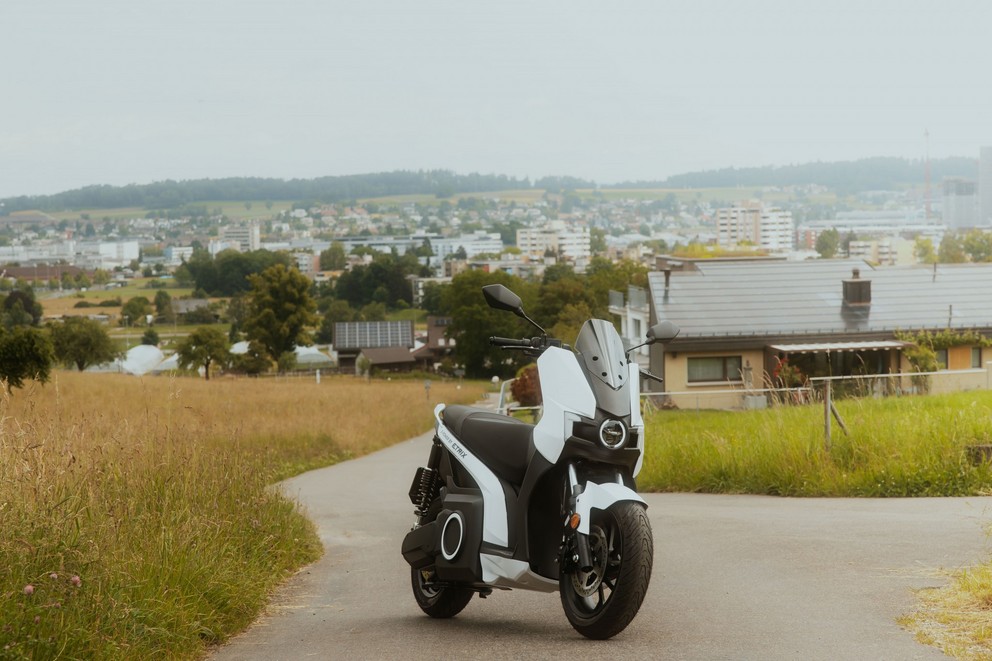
601 349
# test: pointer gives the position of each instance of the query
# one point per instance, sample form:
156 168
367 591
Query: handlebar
510 342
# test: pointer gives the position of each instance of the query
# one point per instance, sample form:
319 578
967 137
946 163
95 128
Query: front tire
438 601
601 603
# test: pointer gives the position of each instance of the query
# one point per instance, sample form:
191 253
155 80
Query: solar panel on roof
373 334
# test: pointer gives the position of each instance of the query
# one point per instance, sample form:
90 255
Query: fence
738 397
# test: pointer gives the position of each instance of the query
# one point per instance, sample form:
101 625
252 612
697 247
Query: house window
714 368
942 359
976 357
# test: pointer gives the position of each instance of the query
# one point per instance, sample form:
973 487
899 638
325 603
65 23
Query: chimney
857 292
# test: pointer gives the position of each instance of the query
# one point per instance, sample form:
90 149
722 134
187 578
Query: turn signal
573 522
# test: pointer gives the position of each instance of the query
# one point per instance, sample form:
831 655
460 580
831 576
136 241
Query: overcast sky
135 91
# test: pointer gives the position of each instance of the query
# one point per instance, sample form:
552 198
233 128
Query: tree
253 362
924 251
163 307
337 311
978 245
334 258
150 337
828 243
82 342
25 353
21 309
280 309
473 322
134 312
203 347
951 250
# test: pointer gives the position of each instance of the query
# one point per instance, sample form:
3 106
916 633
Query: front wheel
601 602
438 601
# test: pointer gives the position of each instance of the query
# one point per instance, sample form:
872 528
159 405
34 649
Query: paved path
735 577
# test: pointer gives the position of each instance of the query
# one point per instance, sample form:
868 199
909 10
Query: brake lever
649 375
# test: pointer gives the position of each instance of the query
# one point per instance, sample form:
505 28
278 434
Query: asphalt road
735 577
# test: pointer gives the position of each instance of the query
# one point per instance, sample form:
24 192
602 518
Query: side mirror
666 331
501 298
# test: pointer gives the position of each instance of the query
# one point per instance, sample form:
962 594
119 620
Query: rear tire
601 603
439 602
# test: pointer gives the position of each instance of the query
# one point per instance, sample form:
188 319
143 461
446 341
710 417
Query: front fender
600 497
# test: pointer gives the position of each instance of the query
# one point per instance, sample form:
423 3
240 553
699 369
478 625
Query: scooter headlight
612 434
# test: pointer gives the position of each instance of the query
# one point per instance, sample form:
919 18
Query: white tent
138 360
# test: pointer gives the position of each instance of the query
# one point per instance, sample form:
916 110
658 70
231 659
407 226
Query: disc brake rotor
586 583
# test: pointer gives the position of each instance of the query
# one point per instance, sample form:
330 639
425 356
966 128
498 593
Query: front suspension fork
583 556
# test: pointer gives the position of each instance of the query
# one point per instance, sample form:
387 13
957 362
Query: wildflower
29 589
76 581
37 619
53 576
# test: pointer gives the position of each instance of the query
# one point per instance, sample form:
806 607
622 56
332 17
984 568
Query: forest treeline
842 176
172 194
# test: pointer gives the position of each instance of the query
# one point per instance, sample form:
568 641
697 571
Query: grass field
908 446
63 303
233 210
136 518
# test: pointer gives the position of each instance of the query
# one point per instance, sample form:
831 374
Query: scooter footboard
601 497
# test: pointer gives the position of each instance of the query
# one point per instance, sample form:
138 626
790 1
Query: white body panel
600 497
636 421
494 527
566 393
508 573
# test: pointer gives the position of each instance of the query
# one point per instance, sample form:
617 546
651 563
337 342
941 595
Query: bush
526 388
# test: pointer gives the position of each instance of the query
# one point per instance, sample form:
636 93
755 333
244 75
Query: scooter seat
503 443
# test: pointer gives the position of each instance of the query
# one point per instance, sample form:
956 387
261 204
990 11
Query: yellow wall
703 395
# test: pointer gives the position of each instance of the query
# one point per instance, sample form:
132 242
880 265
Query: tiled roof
806 298
388 356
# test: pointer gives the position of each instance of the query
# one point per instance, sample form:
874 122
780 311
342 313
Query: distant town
370 259
521 231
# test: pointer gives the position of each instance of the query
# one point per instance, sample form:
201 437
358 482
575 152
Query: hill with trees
879 173
843 176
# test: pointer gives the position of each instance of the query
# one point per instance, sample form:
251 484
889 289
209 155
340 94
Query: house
742 323
437 345
385 359
351 337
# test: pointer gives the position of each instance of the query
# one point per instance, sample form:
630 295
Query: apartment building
752 223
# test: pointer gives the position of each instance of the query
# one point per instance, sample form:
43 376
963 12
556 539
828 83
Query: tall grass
135 518
909 446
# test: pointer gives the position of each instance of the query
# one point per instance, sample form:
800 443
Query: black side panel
465 566
420 545
545 523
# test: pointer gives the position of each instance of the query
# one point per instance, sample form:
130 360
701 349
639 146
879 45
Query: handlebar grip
509 342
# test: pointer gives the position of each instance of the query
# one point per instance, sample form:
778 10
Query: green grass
416 315
909 446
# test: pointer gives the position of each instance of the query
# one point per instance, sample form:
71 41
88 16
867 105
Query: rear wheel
601 602
438 601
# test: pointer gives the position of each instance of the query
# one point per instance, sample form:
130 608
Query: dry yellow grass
358 416
136 518
957 618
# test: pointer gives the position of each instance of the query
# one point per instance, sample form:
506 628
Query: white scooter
550 507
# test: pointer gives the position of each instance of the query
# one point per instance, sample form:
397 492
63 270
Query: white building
960 203
174 255
752 224
247 237
475 244
572 244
